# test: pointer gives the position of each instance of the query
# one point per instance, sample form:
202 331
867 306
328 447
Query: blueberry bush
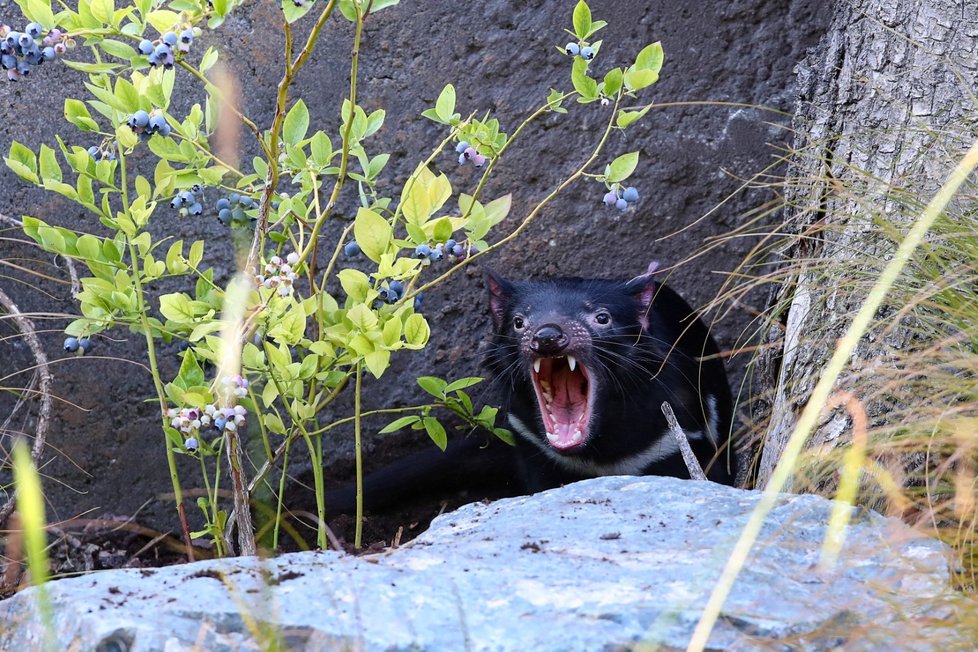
269 352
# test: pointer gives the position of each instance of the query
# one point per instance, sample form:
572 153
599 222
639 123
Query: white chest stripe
635 464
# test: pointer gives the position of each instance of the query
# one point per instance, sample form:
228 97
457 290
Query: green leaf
50 170
432 115
92 68
612 82
374 122
372 233
103 10
174 258
553 101
622 167
397 424
118 49
51 239
416 331
432 385
196 253
445 105
296 123
582 20
38 11
22 161
176 307
208 60
294 12
636 79
584 85
191 374
626 118
320 148
77 114
650 58
436 431
355 283
163 19
462 383
377 362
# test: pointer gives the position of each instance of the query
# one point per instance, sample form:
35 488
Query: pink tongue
567 407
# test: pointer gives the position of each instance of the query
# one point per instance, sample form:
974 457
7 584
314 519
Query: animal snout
549 339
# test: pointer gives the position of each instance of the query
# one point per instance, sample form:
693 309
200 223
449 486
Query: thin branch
44 374
693 464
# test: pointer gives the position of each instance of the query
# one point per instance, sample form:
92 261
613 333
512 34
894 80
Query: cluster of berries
455 251
101 153
392 292
79 345
279 275
575 49
231 209
21 50
468 153
189 421
163 52
145 124
189 201
628 196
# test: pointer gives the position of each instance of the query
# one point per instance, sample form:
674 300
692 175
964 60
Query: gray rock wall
106 448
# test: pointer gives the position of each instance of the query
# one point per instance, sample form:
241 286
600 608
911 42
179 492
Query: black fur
651 350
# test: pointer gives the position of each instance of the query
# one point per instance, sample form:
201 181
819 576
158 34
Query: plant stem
153 367
358 534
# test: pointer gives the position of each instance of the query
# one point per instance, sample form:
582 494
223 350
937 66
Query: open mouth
564 396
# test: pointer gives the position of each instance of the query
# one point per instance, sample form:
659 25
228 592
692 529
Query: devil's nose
549 339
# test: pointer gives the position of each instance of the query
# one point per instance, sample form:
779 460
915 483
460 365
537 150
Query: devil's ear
643 288
500 296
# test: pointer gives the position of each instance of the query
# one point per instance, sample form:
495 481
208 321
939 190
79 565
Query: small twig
44 413
695 470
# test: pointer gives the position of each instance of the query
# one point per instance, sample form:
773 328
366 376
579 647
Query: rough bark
882 116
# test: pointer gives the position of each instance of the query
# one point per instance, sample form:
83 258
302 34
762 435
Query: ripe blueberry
587 53
610 198
630 194
621 204
351 249
71 344
573 49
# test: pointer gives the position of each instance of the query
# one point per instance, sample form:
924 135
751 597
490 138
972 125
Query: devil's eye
602 317
518 322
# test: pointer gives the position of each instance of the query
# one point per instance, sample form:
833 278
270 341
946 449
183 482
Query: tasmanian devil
582 367
585 365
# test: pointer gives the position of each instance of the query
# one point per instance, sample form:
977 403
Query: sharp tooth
536 365
571 362
551 437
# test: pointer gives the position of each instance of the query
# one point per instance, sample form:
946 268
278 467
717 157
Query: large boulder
606 564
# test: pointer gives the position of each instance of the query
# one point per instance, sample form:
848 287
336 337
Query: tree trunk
885 99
